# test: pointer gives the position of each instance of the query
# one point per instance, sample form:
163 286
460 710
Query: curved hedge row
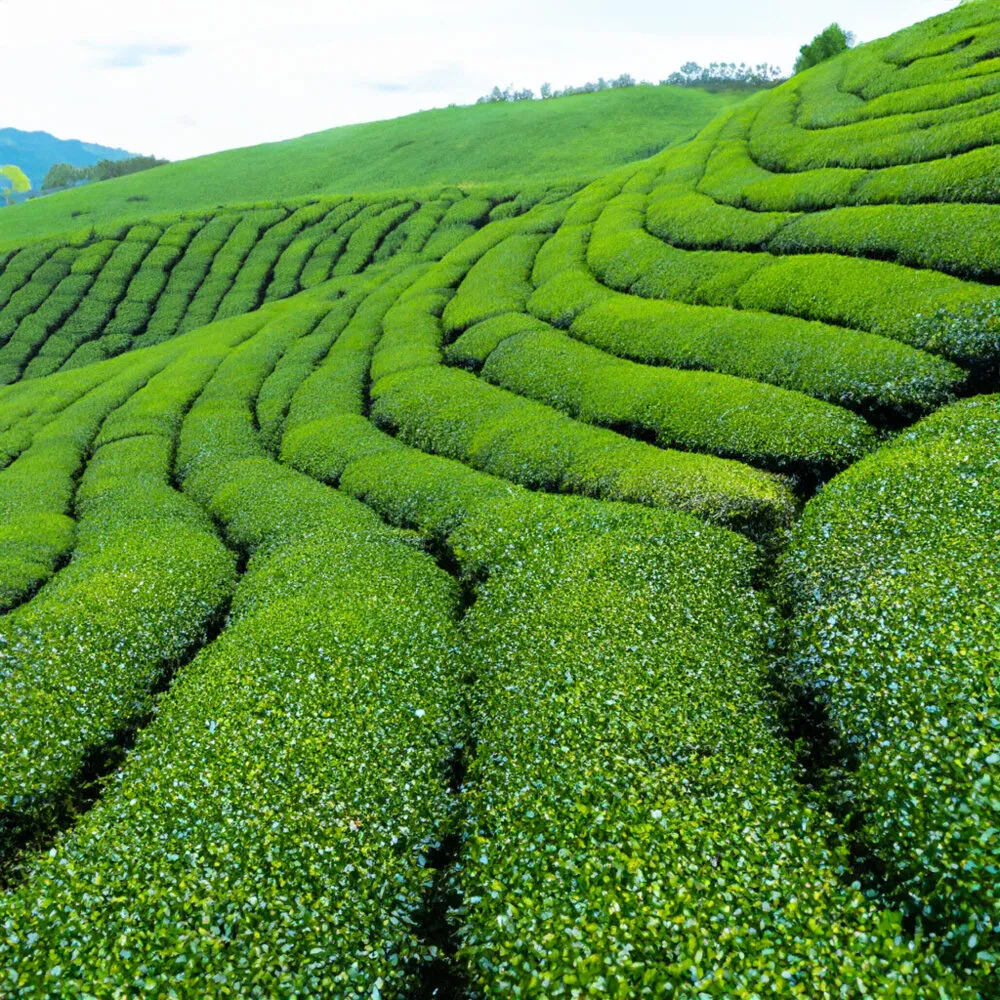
37 489
869 295
102 291
777 143
269 783
633 820
80 663
452 413
594 759
26 413
497 283
698 411
634 824
476 344
894 581
854 369
954 239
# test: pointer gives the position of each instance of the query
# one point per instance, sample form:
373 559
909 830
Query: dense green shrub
733 178
34 331
565 250
187 277
226 265
367 238
473 210
909 101
339 384
20 268
969 177
80 662
29 297
411 235
252 283
321 262
37 489
634 823
776 143
91 259
867 295
411 335
633 820
562 298
278 726
855 369
956 239
498 282
451 413
693 410
475 345
445 239
828 43
326 322
893 576
625 257
691 220
286 277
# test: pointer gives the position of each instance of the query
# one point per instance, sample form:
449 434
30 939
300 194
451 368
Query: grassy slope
572 137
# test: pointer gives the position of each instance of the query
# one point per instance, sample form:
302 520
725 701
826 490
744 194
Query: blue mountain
35 152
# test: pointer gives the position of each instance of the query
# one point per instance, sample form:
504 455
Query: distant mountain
35 152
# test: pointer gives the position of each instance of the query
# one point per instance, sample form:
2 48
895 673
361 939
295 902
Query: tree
825 45
19 182
62 175
546 91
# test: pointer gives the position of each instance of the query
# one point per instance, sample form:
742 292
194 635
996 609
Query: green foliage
629 797
283 747
854 369
895 592
828 43
38 486
451 413
696 411
17 181
575 139
62 175
367 518
474 346
498 283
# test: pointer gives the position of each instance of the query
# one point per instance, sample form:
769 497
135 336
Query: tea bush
895 594
854 369
696 411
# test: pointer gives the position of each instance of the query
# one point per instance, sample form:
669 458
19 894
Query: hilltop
573 138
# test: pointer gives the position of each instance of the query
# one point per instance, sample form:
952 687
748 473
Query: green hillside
575 138
541 589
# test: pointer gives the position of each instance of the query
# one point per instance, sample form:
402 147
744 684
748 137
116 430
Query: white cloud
133 55
183 77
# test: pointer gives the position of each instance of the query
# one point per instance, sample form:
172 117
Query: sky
179 78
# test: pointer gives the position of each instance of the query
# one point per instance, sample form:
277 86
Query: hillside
36 152
576 138
542 589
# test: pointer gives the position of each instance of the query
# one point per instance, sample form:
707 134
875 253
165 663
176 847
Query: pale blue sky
183 77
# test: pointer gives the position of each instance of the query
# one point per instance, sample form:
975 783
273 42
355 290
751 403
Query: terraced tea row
318 478
297 736
224 467
892 576
100 292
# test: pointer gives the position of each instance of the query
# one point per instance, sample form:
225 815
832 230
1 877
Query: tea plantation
531 588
